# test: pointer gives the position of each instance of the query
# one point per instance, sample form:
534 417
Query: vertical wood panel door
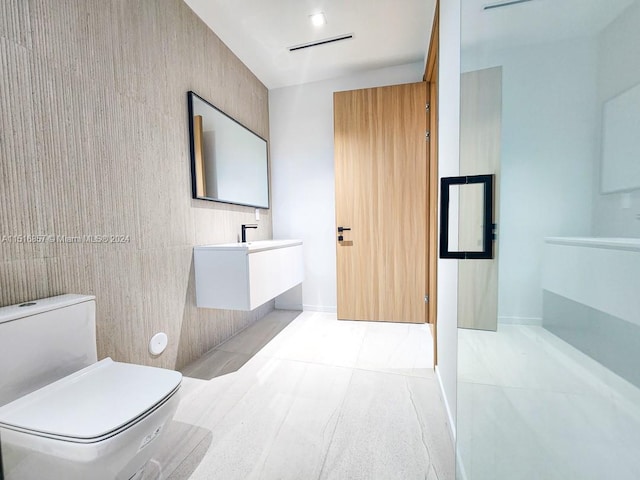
380 151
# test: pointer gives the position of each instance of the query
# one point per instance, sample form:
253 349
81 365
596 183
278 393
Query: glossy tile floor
324 399
531 407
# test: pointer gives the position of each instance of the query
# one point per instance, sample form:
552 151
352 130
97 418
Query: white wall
546 180
616 215
448 165
302 176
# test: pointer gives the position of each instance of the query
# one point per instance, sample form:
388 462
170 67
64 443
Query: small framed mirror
620 168
229 162
472 198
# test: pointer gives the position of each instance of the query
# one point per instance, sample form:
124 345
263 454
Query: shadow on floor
238 350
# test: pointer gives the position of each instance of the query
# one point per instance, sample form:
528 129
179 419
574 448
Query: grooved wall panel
94 141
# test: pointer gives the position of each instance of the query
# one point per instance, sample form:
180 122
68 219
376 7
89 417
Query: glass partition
554 392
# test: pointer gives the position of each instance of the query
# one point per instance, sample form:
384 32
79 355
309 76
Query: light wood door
480 131
380 151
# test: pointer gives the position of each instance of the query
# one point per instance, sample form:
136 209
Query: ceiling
535 21
385 32
259 32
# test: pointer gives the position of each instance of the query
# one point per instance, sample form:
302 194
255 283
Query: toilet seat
92 404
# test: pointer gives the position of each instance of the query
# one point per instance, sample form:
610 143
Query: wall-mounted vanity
243 276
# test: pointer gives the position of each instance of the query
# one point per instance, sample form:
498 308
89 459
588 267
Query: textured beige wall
94 141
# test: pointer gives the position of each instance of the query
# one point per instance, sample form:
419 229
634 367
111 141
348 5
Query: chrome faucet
244 231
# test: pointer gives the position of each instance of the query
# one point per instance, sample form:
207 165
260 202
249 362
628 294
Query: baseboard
319 308
520 321
288 306
452 425
461 473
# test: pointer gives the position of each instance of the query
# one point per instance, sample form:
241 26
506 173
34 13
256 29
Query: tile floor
323 399
532 407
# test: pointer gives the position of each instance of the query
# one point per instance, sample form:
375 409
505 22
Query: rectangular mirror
621 142
473 239
229 162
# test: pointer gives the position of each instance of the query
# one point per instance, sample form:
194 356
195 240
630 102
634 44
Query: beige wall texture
94 142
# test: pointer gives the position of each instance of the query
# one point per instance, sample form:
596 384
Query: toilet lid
92 402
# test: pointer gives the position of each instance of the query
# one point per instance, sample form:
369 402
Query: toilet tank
44 340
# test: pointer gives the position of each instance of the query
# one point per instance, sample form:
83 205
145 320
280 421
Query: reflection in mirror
480 151
471 223
454 202
621 142
229 163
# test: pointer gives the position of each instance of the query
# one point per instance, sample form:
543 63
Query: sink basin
256 246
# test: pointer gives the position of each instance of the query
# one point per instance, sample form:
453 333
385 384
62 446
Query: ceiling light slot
324 41
507 3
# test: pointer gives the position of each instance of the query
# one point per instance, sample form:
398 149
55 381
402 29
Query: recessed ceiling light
318 19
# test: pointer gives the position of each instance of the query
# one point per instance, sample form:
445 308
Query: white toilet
63 414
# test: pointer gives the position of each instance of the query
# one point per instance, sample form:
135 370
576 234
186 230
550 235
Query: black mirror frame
194 189
488 231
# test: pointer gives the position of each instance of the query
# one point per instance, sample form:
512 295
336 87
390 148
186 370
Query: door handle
343 229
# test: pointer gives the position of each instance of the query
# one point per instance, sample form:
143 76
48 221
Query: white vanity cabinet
601 273
243 276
